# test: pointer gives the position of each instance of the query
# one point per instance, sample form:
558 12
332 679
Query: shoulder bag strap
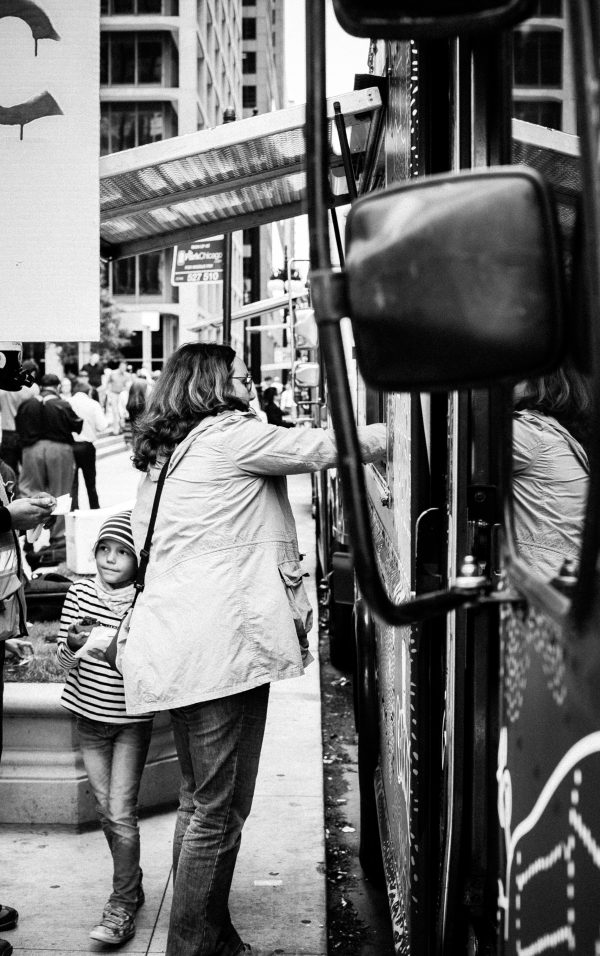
145 552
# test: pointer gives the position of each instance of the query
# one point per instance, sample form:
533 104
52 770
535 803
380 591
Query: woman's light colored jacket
550 483
215 617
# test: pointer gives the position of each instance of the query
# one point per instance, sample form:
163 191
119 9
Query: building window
118 8
543 113
249 97
249 62
124 125
138 58
248 28
138 275
537 58
150 55
149 6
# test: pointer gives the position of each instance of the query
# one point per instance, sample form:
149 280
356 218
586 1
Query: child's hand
77 635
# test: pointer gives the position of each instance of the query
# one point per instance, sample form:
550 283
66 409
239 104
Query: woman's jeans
114 756
218 744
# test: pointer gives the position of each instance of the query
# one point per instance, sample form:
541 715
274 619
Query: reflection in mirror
551 427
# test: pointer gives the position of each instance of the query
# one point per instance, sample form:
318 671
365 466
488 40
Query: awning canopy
556 156
241 174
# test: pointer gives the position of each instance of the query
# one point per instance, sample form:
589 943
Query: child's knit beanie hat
117 528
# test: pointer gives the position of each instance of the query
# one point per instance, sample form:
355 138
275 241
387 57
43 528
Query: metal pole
228 117
146 347
227 248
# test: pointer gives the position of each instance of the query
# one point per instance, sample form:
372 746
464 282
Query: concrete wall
42 778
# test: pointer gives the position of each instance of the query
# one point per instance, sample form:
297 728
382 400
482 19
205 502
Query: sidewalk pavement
59 880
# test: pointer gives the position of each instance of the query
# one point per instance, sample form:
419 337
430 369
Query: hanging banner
49 136
200 261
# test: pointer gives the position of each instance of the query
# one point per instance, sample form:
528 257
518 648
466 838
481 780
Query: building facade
263 90
167 67
543 83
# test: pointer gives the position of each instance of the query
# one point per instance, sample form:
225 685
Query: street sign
200 261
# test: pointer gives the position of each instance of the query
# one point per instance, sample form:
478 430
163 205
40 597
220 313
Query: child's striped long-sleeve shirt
92 689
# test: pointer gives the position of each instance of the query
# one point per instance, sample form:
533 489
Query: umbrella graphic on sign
37 20
42 104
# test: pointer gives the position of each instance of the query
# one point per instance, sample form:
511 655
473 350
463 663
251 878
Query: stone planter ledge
42 777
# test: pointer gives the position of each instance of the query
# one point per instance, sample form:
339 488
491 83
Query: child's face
116 564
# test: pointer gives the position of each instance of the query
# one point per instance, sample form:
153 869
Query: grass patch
43 667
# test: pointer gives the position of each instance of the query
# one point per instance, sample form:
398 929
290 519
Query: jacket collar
209 422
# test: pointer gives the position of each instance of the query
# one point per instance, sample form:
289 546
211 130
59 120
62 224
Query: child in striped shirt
114 745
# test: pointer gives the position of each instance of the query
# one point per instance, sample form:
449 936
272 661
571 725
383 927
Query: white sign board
49 147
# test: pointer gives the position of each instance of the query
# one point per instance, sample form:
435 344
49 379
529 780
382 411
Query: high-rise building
168 67
543 83
263 90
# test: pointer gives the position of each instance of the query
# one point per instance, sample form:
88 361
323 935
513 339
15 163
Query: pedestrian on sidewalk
94 370
23 514
135 405
46 425
116 384
114 744
273 411
224 611
84 449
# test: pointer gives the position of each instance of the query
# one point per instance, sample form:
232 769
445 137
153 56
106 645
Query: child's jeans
114 756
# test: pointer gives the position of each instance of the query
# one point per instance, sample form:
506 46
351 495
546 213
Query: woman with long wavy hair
223 613
551 430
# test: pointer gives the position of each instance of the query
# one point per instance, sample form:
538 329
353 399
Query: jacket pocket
300 606
10 607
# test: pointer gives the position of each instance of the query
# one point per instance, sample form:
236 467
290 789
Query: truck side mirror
456 281
411 19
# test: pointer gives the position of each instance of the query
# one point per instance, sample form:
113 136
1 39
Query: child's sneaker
117 927
140 899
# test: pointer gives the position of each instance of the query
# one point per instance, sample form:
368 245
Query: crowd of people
219 606
50 429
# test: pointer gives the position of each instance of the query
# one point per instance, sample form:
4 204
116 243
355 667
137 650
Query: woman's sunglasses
246 379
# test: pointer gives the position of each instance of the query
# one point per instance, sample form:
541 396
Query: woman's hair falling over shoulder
194 383
565 394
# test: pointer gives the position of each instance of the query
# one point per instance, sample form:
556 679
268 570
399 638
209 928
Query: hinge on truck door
481 514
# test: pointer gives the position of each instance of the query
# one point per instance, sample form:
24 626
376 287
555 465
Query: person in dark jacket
46 424
94 370
272 409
